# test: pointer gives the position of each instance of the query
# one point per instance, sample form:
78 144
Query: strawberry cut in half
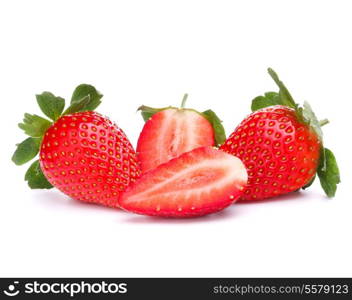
170 131
202 181
281 144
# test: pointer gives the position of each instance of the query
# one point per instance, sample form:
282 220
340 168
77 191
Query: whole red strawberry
281 145
81 153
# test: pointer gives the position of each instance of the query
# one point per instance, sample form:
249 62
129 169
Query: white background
151 52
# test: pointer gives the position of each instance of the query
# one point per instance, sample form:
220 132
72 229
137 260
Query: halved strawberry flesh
202 181
171 132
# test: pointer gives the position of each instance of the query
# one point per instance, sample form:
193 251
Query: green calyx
84 98
147 112
219 132
328 171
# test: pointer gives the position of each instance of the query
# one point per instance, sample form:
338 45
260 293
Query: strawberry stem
184 99
323 122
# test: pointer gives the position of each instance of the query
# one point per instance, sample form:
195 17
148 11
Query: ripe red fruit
169 132
88 158
81 153
202 181
281 146
280 153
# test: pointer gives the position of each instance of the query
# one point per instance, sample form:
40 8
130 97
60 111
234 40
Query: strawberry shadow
294 196
55 199
228 213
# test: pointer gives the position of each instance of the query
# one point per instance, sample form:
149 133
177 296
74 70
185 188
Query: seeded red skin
88 158
280 153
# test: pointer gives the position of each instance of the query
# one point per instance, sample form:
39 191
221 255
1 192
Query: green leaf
269 99
272 96
285 96
35 177
147 112
84 98
26 151
312 120
51 105
34 125
78 106
328 173
219 130
304 114
82 91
